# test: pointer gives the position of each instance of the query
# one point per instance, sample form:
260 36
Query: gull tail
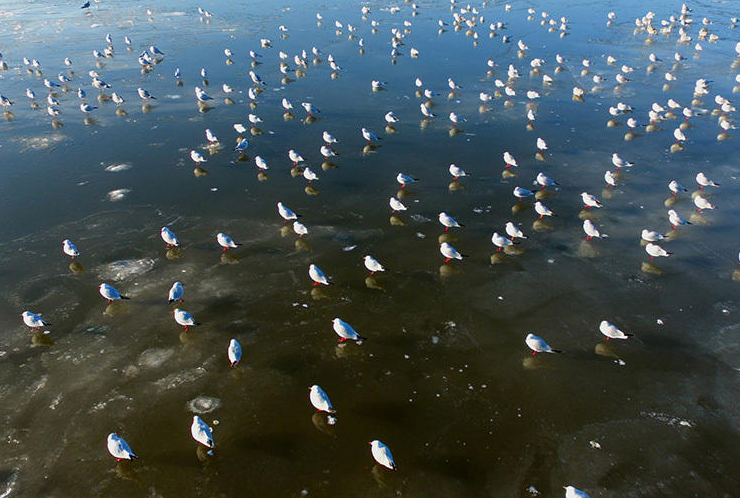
170 301
132 456
196 324
124 297
360 338
555 351
604 236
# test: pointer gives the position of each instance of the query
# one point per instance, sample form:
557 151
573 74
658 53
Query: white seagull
33 320
176 293
345 331
514 232
538 345
500 241
318 276
197 157
320 400
372 264
369 135
119 448
405 179
590 200
201 432
382 454
450 252
286 213
592 231
676 187
448 221
234 352
655 251
226 242
169 237
651 236
571 492
70 249
456 172
676 219
704 181
110 293
611 331
184 318
397 205
144 94
702 203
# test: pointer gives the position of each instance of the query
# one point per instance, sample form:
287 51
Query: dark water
444 378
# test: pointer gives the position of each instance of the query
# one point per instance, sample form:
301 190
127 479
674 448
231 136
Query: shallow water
444 377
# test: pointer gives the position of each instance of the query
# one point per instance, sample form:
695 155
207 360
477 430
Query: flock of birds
463 18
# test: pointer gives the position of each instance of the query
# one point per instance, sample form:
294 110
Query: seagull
309 175
345 331
197 157
70 249
110 293
676 220
591 231
201 95
286 213
514 232
520 193
390 118
212 139
703 181
590 200
509 160
676 187
542 210
500 241
571 492
372 264
145 95
609 178
611 331
295 157
655 251
234 352
702 203
226 242
300 229
651 236
261 163
169 237
397 205
382 454
456 172
310 108
545 181
116 99
425 111
86 108
119 448
405 180
155 51
184 318
201 432
318 276
541 144
33 320
448 221
320 400
619 162
450 252
242 145
369 135
329 138
176 293
538 345
327 151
